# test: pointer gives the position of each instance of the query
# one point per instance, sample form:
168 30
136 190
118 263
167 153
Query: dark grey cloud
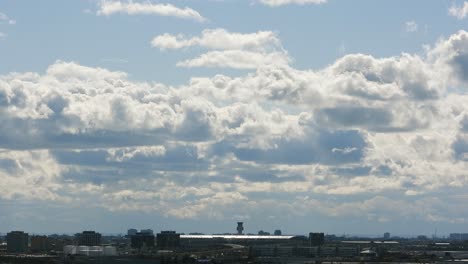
373 118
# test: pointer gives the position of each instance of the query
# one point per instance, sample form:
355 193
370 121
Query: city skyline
301 115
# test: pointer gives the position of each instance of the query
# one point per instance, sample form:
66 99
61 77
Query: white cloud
459 12
110 7
220 39
2 35
275 3
229 49
388 129
237 59
411 26
29 175
5 19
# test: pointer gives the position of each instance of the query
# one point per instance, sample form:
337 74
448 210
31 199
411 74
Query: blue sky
305 115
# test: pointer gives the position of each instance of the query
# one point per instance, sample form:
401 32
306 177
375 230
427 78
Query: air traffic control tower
240 228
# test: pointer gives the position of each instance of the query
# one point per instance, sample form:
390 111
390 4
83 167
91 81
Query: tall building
386 236
168 240
39 244
131 232
17 242
240 228
89 238
147 231
140 240
316 239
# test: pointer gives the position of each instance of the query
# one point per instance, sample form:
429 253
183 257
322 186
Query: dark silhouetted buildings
386 236
17 242
141 239
458 236
89 238
131 232
168 240
39 244
147 231
316 239
278 232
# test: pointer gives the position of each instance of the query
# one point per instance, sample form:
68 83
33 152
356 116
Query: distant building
39 244
240 228
386 236
278 232
316 239
147 231
17 242
131 232
89 238
168 240
140 240
263 233
458 236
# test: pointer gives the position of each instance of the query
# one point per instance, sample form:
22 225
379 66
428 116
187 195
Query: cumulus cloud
275 3
228 49
110 7
30 175
385 132
459 12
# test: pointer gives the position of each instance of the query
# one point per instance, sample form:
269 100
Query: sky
343 117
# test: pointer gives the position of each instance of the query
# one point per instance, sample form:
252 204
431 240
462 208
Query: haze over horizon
300 115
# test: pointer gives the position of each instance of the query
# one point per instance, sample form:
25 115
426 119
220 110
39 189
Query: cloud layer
368 138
